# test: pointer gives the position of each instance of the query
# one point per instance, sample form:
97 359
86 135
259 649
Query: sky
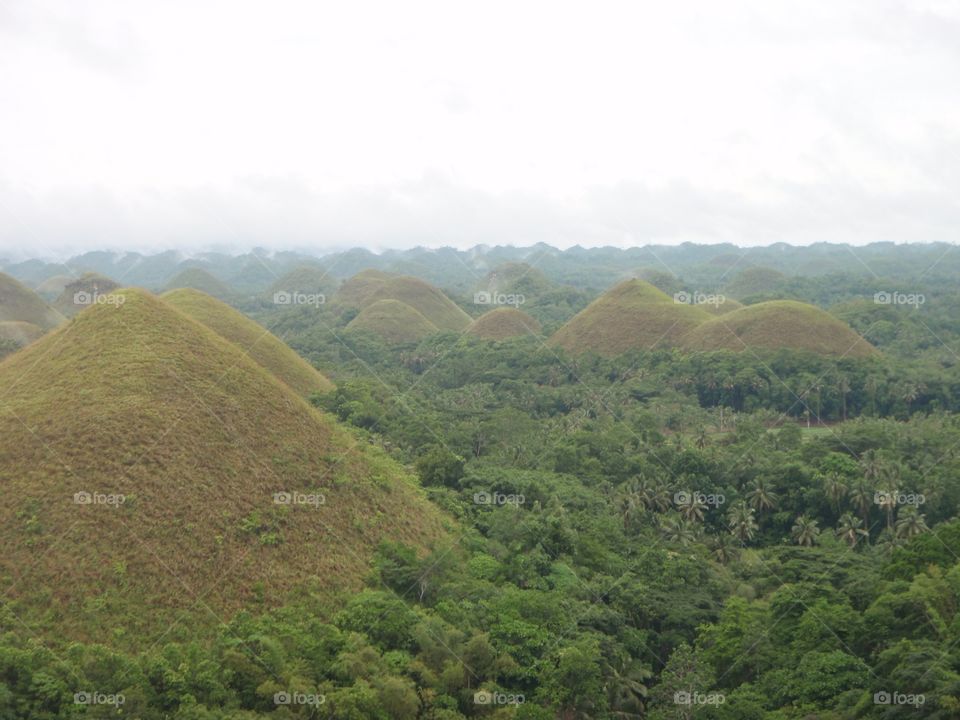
320 125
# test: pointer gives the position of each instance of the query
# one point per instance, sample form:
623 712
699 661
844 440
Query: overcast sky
318 124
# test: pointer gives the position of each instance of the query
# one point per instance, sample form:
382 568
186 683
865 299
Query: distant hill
306 279
51 288
370 286
235 491
632 315
776 325
83 292
393 321
515 278
253 339
200 279
18 303
21 333
504 323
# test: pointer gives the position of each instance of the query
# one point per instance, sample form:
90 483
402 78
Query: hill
79 294
51 288
515 278
371 286
306 279
21 333
504 323
199 279
754 281
721 308
633 315
253 339
779 324
148 463
393 321
18 303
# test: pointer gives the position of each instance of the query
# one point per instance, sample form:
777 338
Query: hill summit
148 462
370 286
18 303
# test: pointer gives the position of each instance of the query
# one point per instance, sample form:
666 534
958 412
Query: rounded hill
393 321
776 325
253 339
307 279
83 292
151 464
21 333
371 286
633 315
18 303
504 323
199 279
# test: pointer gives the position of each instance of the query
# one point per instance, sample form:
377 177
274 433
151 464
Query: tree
741 522
805 531
439 466
911 523
761 497
850 528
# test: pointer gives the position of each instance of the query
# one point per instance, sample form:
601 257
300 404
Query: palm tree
850 528
872 466
911 523
629 503
692 509
676 529
805 531
836 489
626 689
659 496
701 437
741 521
722 550
862 497
887 500
761 497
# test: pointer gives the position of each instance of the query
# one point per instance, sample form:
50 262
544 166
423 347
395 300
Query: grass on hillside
18 303
504 323
255 340
140 400
77 293
199 279
371 286
392 321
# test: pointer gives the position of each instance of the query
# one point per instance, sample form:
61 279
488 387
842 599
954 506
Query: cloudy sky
199 123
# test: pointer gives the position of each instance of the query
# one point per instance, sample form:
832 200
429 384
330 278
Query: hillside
18 303
21 333
779 324
633 315
307 279
504 323
199 279
141 402
255 340
754 281
515 277
51 288
369 287
79 294
393 321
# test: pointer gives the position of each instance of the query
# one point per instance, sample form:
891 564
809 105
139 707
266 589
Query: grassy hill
393 321
18 303
140 401
253 339
779 324
754 281
504 323
51 288
728 305
631 315
307 279
516 277
21 333
78 294
370 286
199 279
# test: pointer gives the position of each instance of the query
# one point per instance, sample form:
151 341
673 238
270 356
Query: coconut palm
911 523
693 507
722 548
761 497
836 490
805 531
850 528
741 521
676 529
862 497
887 501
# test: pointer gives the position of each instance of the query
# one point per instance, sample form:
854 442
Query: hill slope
21 333
779 324
79 294
199 279
371 286
139 400
504 323
393 321
633 315
18 303
305 279
251 338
